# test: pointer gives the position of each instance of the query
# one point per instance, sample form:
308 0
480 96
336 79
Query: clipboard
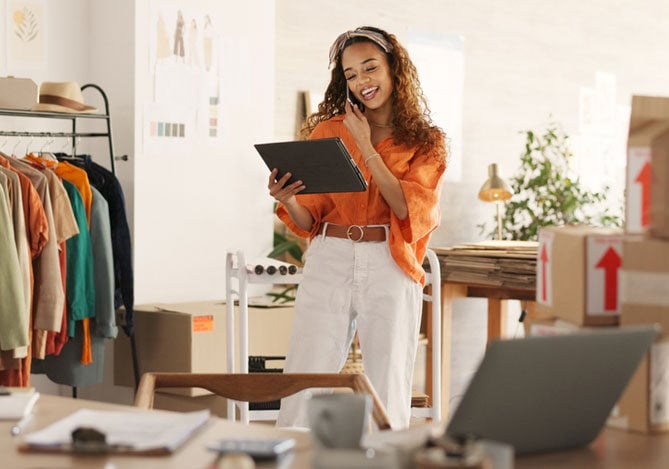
89 431
324 165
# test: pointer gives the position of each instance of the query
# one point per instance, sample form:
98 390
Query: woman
363 268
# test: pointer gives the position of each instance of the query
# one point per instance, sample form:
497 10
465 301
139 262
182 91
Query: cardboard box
167 401
659 187
191 337
17 93
549 327
577 274
644 406
649 119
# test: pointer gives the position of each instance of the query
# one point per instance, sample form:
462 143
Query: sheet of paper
17 404
129 430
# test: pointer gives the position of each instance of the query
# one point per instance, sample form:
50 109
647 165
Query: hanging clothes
43 280
66 368
13 327
80 279
49 297
79 179
16 372
110 188
66 227
20 235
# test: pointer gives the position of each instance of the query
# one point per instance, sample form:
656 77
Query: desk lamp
495 190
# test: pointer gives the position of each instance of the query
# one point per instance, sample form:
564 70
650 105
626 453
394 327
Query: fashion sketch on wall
182 106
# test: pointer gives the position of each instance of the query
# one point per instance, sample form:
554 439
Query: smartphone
257 448
353 101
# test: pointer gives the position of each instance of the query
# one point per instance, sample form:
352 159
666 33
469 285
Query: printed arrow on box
610 262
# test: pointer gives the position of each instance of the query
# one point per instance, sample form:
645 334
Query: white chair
236 269
433 280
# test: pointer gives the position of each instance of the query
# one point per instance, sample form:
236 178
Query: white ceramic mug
338 420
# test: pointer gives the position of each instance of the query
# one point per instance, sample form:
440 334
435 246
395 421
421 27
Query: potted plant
288 248
547 192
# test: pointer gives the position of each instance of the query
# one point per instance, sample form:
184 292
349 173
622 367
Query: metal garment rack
75 135
72 117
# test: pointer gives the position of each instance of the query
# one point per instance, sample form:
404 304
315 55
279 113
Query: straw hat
61 97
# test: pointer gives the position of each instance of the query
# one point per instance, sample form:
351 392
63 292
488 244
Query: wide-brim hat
62 97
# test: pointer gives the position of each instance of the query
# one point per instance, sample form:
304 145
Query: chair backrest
259 387
433 295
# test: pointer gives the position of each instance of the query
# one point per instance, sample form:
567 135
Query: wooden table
497 309
613 449
192 454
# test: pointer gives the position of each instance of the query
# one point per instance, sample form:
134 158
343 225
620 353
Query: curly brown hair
412 123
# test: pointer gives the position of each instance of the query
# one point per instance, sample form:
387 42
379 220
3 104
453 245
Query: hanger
48 142
2 145
61 155
46 154
13 154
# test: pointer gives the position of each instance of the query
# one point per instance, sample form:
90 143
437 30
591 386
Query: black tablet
323 165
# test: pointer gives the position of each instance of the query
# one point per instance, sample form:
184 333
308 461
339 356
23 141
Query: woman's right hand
279 190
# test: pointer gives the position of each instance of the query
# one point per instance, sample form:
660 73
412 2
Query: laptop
549 393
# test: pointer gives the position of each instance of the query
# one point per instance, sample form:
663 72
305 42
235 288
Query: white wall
524 61
192 206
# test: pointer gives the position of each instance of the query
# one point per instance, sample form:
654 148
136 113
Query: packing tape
644 288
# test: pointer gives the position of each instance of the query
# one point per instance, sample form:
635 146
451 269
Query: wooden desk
192 454
613 449
497 309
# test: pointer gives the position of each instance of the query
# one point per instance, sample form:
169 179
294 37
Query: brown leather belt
355 232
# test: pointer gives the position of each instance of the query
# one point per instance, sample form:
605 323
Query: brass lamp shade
494 189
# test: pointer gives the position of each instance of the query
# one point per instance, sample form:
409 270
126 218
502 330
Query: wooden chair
259 387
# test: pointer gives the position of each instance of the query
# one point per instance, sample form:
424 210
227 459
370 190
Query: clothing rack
72 117
75 136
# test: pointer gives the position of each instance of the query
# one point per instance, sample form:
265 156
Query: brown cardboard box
577 274
649 119
544 327
216 404
17 93
644 406
191 337
659 187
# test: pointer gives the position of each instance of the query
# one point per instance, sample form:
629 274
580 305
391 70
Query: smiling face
367 74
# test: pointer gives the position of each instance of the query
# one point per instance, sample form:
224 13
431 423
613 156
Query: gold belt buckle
348 233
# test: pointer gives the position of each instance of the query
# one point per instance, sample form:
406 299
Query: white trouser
348 286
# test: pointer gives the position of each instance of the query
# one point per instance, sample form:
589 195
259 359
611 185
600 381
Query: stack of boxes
577 274
597 277
644 295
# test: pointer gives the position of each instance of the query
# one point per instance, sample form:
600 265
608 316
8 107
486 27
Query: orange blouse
420 177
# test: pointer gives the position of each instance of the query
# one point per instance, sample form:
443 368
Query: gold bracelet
373 155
